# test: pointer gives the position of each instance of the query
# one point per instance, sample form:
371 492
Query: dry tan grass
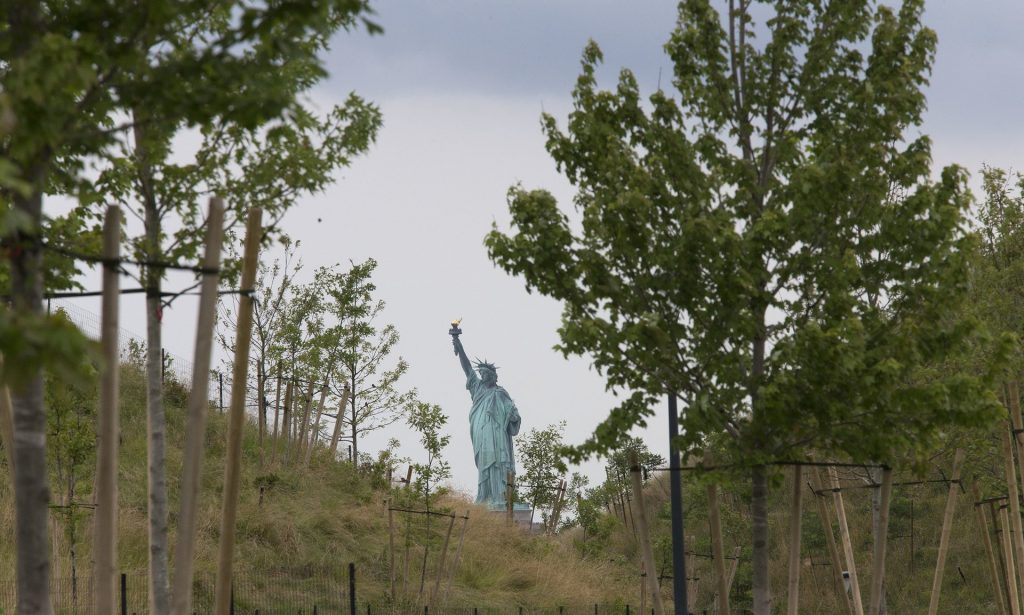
313 522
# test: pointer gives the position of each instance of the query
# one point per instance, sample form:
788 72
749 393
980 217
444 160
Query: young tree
274 284
766 242
71 442
363 360
998 268
428 420
617 466
539 462
76 77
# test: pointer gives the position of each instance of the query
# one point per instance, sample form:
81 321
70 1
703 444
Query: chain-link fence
132 349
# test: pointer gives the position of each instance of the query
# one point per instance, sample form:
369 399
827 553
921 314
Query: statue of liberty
493 421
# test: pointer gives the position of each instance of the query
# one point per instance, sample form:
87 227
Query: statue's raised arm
460 352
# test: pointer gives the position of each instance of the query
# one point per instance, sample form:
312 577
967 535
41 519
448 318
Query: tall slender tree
364 359
77 79
766 241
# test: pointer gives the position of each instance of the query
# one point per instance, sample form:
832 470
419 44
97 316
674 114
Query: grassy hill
296 540
294 544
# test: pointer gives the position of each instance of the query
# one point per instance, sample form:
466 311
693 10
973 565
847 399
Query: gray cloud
523 48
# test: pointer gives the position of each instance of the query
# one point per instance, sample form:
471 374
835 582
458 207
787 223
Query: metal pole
678 537
220 379
352 587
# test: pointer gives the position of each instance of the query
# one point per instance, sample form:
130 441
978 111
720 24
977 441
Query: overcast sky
461 84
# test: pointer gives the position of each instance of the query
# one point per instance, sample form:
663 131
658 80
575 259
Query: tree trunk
72 538
31 485
261 408
355 424
159 588
759 516
156 428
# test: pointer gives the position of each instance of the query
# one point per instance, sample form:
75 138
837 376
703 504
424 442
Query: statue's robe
493 421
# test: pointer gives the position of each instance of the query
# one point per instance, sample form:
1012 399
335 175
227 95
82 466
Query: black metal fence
270 595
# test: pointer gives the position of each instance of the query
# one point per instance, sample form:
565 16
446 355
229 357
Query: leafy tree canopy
766 241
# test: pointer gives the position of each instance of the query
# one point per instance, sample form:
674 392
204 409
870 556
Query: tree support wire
428 512
133 291
117 262
732 466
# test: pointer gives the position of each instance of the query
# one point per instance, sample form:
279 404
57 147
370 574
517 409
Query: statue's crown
486 365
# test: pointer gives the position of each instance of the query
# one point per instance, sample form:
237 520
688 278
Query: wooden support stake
198 404
440 564
314 433
793 601
717 551
455 561
1013 401
640 521
947 524
1011 574
240 375
986 539
7 429
830 539
391 552
509 496
303 427
277 404
733 567
285 417
105 540
556 510
261 409
1016 537
844 533
878 560
994 514
338 421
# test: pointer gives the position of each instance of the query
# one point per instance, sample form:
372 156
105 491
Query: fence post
124 594
220 383
352 587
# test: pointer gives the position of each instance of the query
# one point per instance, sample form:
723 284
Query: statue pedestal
521 512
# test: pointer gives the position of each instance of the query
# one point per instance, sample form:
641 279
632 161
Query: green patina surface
493 420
